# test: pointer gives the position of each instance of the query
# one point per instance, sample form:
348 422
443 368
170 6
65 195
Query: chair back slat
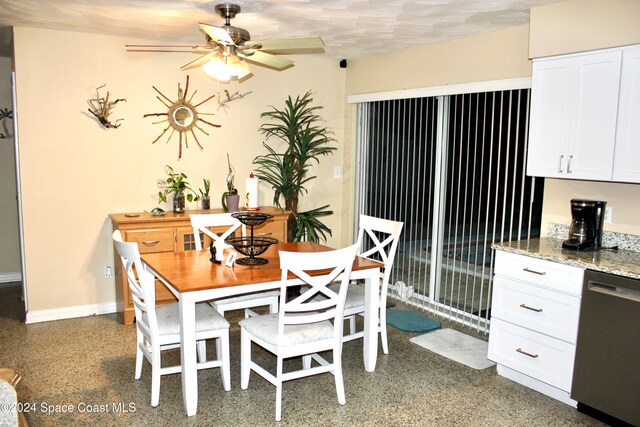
141 283
305 308
202 222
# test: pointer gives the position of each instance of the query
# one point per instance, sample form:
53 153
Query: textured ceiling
349 28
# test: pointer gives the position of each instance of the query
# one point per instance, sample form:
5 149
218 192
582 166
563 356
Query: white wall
75 172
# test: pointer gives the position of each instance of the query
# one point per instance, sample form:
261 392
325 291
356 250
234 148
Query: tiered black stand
251 246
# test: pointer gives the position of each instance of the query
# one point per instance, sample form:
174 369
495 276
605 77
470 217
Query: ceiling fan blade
160 48
307 44
217 34
197 62
262 58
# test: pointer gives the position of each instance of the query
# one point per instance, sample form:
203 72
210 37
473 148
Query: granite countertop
621 262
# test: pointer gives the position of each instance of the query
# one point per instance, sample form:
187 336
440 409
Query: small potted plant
176 184
230 198
204 195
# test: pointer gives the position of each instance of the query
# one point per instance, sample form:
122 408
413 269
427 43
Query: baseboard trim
70 312
10 277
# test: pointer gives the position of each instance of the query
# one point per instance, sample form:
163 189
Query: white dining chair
381 236
201 224
304 326
159 328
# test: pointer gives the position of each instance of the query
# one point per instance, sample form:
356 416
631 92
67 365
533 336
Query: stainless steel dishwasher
606 375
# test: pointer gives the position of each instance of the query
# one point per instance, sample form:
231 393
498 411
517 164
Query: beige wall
9 244
491 56
579 25
75 172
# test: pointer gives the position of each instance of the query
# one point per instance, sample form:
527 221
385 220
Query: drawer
271 228
539 356
149 241
553 275
540 309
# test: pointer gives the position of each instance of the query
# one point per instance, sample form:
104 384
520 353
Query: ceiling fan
229 48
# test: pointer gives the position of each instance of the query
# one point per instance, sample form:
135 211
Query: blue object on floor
410 321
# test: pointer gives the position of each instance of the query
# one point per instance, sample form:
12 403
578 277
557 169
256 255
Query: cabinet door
626 164
550 114
574 103
594 107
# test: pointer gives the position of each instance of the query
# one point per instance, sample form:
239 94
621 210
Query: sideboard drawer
539 356
553 275
149 241
552 313
271 228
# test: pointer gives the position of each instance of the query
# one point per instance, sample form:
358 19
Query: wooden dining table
193 278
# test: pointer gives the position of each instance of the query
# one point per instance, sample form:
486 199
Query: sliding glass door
452 169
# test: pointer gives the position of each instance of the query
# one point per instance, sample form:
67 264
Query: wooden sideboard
172 232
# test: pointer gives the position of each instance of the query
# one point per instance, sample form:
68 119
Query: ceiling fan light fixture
217 69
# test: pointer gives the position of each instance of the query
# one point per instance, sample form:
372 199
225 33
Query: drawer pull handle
540 273
525 306
521 351
560 164
266 234
150 242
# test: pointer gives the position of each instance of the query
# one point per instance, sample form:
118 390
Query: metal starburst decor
182 116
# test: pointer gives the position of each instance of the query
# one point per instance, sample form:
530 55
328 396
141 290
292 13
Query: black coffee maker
585 232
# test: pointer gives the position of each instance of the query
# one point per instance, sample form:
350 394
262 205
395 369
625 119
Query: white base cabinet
534 322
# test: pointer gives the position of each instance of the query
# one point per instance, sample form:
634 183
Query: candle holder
251 246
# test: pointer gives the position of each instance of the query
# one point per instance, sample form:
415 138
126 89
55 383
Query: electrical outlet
608 213
108 272
337 172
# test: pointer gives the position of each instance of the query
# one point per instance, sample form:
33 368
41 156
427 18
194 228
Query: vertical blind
452 168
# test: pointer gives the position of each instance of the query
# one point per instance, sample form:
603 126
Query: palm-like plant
287 173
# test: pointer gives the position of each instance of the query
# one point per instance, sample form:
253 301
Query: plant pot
232 203
206 203
178 202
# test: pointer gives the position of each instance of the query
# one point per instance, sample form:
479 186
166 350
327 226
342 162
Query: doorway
10 249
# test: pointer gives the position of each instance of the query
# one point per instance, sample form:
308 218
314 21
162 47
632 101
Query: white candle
252 192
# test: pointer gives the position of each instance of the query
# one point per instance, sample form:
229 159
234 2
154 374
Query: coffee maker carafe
585 231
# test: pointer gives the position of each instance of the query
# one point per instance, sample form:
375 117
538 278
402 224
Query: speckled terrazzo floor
88 362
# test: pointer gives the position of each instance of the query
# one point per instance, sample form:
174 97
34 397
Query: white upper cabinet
626 164
574 102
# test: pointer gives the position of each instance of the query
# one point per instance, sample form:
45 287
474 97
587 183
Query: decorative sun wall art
183 116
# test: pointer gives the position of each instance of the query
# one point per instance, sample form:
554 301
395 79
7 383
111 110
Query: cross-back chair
202 224
158 328
304 326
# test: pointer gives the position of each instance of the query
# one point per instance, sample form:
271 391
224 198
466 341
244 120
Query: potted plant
306 140
176 184
204 195
230 198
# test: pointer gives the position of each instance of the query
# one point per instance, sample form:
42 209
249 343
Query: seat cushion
266 328
355 295
207 319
